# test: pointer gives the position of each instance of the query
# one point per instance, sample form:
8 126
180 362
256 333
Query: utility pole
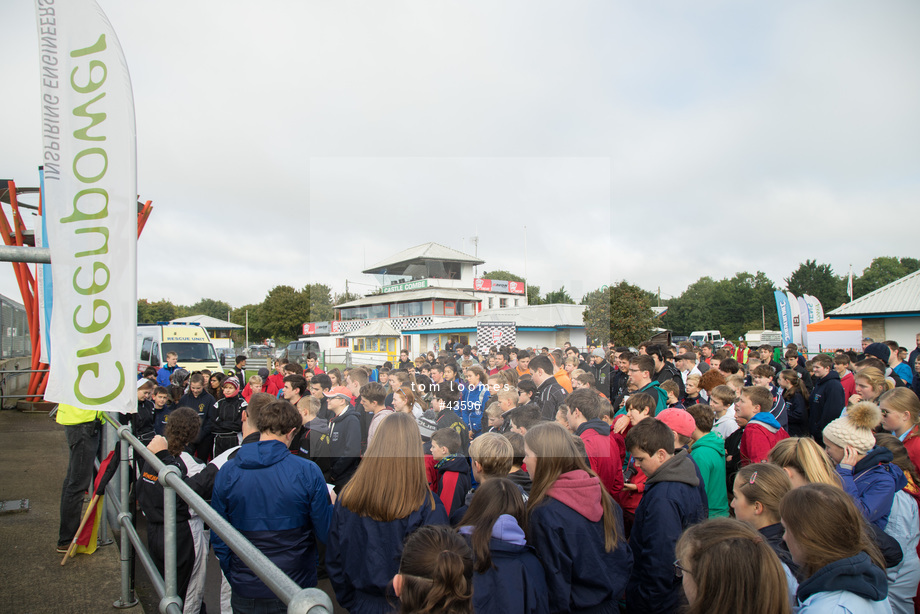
763 315
247 328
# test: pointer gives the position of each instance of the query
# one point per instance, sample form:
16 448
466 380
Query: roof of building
426 251
899 297
528 316
411 295
381 328
207 322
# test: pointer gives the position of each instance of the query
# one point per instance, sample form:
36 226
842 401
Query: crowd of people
652 479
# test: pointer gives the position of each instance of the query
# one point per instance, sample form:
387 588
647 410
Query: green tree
732 306
319 298
345 297
210 307
284 311
819 281
158 311
597 315
559 296
881 272
533 295
627 313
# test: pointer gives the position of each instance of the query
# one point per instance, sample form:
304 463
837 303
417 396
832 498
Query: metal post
102 536
170 574
128 600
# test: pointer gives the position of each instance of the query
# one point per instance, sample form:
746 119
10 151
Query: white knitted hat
855 428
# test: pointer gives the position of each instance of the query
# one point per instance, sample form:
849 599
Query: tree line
621 311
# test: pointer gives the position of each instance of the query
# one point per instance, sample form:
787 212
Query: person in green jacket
708 451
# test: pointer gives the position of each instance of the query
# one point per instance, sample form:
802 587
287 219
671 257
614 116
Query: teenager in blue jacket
574 525
865 469
509 578
474 399
278 501
386 500
673 501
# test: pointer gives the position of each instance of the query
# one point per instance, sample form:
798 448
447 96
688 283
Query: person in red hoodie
761 430
584 419
842 367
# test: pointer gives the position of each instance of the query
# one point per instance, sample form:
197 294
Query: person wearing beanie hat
865 469
226 417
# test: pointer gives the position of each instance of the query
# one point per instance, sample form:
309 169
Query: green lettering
105 241
103 347
94 369
95 118
91 86
94 288
96 47
79 216
95 326
87 152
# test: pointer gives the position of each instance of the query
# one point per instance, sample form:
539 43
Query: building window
502 302
449 308
439 308
341 342
491 302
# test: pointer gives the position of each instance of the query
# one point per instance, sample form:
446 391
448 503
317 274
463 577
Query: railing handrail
279 582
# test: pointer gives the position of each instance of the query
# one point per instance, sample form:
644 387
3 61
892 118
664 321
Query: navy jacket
344 447
458 466
202 405
797 408
580 574
516 583
826 404
278 501
363 555
671 503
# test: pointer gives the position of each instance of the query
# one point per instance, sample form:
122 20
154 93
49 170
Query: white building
420 286
891 312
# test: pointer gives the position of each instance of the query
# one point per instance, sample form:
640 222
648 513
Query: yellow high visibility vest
70 415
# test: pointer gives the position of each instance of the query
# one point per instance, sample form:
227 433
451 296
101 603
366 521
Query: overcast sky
298 142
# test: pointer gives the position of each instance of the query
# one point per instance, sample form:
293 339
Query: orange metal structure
15 235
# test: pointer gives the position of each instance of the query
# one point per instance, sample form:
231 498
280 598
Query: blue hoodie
516 583
363 554
853 584
873 483
278 501
473 402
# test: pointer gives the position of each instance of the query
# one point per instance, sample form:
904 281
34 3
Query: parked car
296 351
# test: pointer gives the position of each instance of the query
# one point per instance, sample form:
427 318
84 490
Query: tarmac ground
33 462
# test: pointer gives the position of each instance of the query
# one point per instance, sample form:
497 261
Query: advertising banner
90 206
495 333
784 312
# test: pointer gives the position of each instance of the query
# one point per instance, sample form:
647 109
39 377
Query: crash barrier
298 600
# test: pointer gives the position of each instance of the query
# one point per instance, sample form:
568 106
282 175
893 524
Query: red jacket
759 438
849 385
912 443
629 499
603 454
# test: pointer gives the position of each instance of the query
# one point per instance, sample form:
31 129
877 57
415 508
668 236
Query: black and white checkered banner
495 333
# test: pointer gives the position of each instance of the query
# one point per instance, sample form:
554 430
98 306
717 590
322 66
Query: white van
190 341
699 337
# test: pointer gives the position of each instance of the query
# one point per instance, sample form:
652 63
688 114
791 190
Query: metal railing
298 600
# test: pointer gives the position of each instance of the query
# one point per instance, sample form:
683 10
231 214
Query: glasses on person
631 370
678 570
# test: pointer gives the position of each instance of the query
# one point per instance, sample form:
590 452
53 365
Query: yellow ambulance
190 341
